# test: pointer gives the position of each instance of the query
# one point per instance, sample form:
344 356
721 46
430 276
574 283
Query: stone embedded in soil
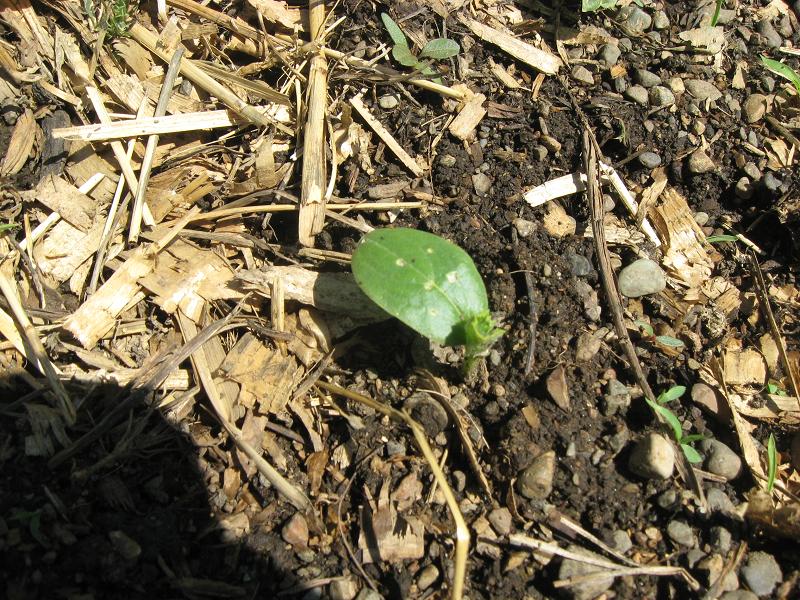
500 519
761 573
660 20
720 539
646 78
702 90
579 264
668 499
126 546
617 398
428 412
524 227
712 567
767 32
582 75
621 541
718 501
609 54
388 101
573 568
755 107
482 183
681 533
295 531
652 457
641 278
586 347
661 96
636 20
345 588
649 160
427 577
536 481
709 399
744 189
720 460
700 162
771 182
638 94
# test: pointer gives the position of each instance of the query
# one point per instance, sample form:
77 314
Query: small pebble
701 218
761 573
743 189
751 170
700 162
482 183
702 90
720 460
767 32
127 547
650 160
661 96
755 107
638 94
668 499
345 588
551 143
771 182
609 54
536 481
676 85
500 519
718 501
524 227
295 532
582 75
367 593
572 568
720 539
636 20
681 533
660 20
739 595
617 398
646 78
640 278
427 577
586 347
652 457
579 264
388 102
621 541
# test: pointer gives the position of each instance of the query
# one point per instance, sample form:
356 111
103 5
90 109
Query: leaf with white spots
425 281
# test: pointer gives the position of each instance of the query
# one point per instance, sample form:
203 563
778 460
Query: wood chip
541 60
463 126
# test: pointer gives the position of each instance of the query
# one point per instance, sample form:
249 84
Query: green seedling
772 463
8 226
113 17
782 70
428 283
717 9
438 49
649 333
595 5
725 237
775 389
684 441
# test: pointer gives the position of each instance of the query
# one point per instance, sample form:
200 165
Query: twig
312 194
530 355
152 143
37 351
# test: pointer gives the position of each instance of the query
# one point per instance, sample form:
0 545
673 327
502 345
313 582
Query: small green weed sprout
772 463
595 5
665 341
717 9
8 226
782 70
438 49
111 16
774 388
685 441
428 283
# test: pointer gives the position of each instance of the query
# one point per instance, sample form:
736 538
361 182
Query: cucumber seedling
428 283
438 49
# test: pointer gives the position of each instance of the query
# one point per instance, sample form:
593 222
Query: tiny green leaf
394 31
692 455
783 70
595 5
425 281
673 393
717 9
669 417
402 54
670 341
8 226
772 462
645 327
713 239
440 49
690 439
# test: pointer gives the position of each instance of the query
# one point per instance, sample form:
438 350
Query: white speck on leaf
400 262
429 250
429 285
433 312
452 277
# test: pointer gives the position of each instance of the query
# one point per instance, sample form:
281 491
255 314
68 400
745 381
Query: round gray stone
650 160
771 182
388 101
762 573
718 501
755 107
582 75
720 460
661 96
636 20
702 90
681 533
617 398
579 264
652 457
640 278
609 54
700 162
721 539
646 78
638 94
536 482
771 37
573 568
660 20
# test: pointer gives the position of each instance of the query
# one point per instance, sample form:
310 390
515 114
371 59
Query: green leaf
440 49
783 70
645 327
595 5
673 393
690 439
713 239
8 226
425 281
669 417
772 462
403 55
715 16
394 31
670 341
692 455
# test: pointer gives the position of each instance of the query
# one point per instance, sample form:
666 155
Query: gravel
761 573
700 162
650 160
718 501
582 75
755 107
661 96
641 278
536 481
702 90
681 533
646 78
571 568
720 459
638 94
652 457
617 399
609 54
